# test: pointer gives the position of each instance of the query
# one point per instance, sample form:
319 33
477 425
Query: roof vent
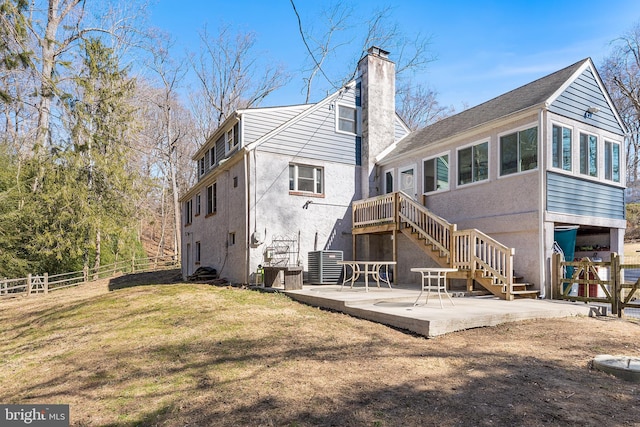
375 50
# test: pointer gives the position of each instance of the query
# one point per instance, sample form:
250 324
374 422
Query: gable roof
532 94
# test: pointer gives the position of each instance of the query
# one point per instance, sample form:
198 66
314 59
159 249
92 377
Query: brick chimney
377 92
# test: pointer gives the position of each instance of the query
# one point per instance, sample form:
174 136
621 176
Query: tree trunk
96 264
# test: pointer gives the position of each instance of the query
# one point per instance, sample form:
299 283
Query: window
201 167
519 151
188 214
197 255
612 161
308 179
235 181
347 119
473 163
388 182
588 154
197 204
231 139
212 156
436 174
232 239
561 148
212 202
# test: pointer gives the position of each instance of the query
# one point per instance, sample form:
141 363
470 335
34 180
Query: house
277 183
487 191
520 169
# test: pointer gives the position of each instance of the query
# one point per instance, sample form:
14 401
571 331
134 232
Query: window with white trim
197 204
588 154
201 167
212 199
561 148
231 138
519 151
388 181
188 213
612 161
212 156
197 255
473 163
307 179
347 119
436 174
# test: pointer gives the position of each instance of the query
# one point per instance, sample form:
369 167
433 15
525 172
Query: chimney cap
378 51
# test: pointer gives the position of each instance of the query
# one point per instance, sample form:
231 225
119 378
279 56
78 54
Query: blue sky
482 48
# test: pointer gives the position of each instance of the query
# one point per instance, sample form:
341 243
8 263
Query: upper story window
347 119
212 198
188 212
201 167
588 154
436 173
612 161
561 147
473 163
212 156
231 138
519 151
388 182
197 204
308 179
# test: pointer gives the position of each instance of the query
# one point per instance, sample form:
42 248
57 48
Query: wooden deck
478 257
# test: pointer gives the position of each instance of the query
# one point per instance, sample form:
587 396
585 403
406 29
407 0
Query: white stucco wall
276 212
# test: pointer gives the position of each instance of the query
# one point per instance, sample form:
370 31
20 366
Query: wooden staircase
478 257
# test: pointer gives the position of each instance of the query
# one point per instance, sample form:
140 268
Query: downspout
247 217
542 132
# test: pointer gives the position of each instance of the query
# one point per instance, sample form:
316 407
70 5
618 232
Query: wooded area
98 123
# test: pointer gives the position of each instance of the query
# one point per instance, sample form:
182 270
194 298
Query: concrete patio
394 307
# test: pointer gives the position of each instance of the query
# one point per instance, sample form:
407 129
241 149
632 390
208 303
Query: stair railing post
509 274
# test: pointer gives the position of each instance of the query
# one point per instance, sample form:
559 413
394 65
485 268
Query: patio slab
394 307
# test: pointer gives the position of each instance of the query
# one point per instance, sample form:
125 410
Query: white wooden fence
43 284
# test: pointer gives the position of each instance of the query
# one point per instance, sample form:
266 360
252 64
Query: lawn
133 352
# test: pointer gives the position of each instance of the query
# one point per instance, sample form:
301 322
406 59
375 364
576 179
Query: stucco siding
571 195
583 93
214 231
276 212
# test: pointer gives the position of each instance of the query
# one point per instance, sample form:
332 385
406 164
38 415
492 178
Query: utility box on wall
324 267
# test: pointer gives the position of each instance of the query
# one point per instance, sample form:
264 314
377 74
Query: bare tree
231 75
621 75
332 40
419 107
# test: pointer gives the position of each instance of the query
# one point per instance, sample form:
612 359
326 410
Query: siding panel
575 196
583 93
315 136
262 120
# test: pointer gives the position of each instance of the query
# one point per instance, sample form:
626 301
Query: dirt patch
200 355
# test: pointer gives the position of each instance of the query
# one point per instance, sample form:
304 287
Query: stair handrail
434 229
476 250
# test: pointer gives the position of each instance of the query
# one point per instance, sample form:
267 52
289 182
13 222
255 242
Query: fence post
616 285
555 277
28 284
46 283
3 287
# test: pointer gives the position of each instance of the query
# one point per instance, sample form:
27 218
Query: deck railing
466 249
435 230
475 251
375 210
